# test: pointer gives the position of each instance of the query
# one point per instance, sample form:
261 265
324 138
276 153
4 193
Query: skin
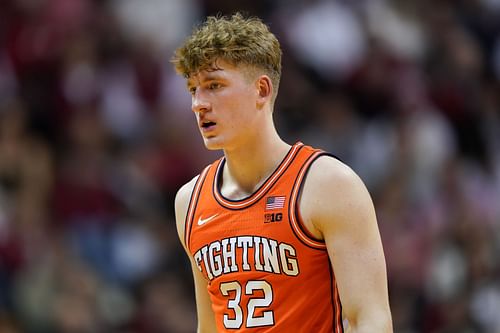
239 107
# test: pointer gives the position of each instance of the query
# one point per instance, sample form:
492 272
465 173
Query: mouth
207 125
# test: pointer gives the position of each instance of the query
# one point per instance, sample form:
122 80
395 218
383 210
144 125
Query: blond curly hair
236 39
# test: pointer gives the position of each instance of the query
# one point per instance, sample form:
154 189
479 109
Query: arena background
96 136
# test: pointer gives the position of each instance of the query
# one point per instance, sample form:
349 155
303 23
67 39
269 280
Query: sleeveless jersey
265 272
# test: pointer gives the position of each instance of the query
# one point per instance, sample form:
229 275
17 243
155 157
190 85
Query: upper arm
337 207
181 207
206 320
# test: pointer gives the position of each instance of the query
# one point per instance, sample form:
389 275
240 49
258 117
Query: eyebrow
210 76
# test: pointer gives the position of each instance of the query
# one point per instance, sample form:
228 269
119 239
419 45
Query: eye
192 90
214 85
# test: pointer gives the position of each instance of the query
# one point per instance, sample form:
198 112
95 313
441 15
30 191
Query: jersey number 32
233 290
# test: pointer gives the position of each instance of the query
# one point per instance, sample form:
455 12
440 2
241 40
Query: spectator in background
420 87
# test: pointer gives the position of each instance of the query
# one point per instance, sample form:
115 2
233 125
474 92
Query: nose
199 104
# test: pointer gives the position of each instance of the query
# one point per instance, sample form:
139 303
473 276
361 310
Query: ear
264 90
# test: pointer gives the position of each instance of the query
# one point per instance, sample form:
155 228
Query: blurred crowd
96 136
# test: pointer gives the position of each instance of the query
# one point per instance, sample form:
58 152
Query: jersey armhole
193 202
298 226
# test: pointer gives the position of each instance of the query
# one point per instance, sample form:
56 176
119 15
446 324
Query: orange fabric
264 271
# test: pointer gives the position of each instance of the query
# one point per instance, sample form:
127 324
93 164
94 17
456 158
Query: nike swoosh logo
208 219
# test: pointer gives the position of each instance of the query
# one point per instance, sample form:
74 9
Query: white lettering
215 259
245 242
229 254
204 251
234 254
197 259
258 264
288 263
269 253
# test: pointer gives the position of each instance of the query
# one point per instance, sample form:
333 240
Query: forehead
218 69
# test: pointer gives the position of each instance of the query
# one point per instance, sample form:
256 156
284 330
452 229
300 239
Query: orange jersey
265 272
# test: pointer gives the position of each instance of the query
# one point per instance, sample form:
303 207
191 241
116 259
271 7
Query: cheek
243 115
239 108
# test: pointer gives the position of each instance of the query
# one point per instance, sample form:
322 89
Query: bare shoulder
182 204
334 194
327 171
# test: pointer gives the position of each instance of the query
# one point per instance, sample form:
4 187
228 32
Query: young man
281 238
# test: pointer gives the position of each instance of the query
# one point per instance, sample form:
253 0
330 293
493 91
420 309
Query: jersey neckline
261 191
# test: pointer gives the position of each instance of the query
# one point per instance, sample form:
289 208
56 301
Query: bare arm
337 207
206 320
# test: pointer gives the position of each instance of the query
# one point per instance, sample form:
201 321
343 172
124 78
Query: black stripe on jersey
337 312
298 218
296 204
196 197
218 180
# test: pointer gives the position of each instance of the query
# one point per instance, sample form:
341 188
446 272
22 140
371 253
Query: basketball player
281 237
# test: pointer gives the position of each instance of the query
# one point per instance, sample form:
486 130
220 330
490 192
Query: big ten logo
273 217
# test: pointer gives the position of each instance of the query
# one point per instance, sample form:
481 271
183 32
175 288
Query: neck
248 166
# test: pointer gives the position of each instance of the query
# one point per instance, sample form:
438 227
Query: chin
213 144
